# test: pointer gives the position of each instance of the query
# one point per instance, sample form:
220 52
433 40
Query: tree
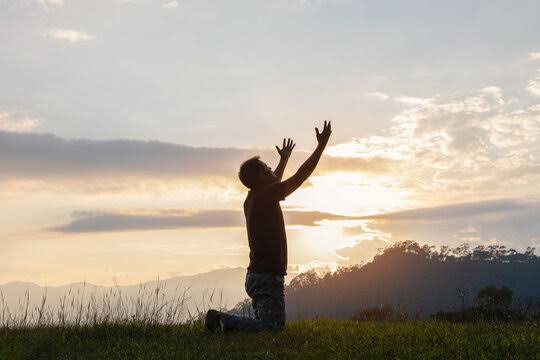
307 279
491 297
462 293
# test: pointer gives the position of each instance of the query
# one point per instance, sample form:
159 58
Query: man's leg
228 322
268 300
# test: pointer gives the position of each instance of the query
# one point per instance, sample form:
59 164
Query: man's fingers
327 127
317 131
278 150
293 145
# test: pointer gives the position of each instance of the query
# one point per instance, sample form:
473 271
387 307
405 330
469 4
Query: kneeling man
267 239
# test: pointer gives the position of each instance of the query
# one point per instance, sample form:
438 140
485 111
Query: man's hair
249 172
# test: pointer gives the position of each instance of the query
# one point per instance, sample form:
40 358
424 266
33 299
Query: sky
123 124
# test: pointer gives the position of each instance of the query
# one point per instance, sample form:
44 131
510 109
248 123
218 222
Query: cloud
319 266
14 122
452 211
48 3
449 149
87 222
170 5
108 221
311 218
362 251
377 94
45 156
469 234
375 165
415 101
534 56
409 100
534 84
512 222
477 144
72 36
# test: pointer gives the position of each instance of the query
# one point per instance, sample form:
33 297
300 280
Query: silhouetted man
267 239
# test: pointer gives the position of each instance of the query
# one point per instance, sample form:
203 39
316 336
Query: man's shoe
212 321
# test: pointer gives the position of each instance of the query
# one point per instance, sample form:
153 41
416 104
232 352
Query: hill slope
227 285
415 280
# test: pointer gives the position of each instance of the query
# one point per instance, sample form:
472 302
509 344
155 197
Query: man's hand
282 189
322 138
285 153
286 150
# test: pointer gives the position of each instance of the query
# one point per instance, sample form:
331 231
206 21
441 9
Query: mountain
219 288
415 280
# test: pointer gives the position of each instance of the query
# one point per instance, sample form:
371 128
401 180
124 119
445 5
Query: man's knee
272 314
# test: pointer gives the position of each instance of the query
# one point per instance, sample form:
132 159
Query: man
267 239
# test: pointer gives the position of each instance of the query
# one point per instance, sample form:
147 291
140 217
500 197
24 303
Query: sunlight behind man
352 194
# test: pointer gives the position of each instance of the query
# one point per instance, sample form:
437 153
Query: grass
151 325
317 339
76 308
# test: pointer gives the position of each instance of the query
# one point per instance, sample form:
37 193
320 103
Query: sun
351 194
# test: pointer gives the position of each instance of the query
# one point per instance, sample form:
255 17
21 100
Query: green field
320 339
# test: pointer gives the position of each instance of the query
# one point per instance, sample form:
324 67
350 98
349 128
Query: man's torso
266 234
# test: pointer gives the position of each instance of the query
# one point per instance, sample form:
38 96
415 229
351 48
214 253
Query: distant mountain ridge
223 287
416 280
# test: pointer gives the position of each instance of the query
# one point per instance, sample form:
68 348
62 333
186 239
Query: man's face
266 173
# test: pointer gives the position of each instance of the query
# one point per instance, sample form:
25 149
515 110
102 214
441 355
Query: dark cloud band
48 156
461 210
89 222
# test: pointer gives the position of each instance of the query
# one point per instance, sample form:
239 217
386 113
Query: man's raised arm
286 187
284 153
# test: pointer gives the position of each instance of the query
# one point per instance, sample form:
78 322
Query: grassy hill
314 339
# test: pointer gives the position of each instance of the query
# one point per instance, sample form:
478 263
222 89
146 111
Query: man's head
254 172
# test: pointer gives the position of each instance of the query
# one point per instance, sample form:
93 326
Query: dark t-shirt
266 230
